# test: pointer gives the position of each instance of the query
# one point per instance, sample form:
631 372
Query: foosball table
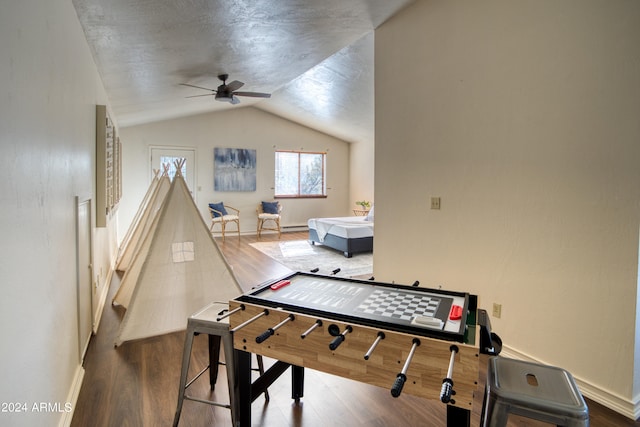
409 339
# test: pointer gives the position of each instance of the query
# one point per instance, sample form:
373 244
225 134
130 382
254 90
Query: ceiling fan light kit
228 92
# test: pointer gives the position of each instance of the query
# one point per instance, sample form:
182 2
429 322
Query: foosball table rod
266 334
311 329
223 315
447 384
339 338
253 319
374 345
398 384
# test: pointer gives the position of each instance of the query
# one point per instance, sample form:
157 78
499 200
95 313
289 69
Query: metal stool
204 322
539 392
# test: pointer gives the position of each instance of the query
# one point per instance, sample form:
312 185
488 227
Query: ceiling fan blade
253 94
227 92
234 85
198 87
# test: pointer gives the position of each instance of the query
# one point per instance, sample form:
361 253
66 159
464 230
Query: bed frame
347 246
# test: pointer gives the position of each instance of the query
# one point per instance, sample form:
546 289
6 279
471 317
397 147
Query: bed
349 235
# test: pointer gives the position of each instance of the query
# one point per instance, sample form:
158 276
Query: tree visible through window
300 174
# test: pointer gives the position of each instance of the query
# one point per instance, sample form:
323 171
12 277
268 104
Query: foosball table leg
297 382
243 389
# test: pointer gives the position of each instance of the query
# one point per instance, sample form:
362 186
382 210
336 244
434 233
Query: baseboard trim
74 393
613 401
286 228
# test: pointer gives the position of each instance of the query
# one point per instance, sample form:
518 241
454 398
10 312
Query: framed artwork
234 169
108 166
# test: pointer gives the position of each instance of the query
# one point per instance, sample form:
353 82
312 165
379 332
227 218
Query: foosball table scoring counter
414 340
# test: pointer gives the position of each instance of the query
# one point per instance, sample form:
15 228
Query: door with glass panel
165 155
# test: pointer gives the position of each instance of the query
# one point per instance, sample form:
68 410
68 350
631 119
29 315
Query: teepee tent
141 225
135 223
178 270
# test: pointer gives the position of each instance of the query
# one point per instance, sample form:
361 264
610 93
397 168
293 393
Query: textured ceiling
314 57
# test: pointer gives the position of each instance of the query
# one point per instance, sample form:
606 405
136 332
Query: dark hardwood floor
136 384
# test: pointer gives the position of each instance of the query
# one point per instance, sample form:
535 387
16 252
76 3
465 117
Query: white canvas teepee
178 270
135 223
141 225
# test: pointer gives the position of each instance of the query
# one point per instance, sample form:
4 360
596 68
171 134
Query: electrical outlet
435 203
497 310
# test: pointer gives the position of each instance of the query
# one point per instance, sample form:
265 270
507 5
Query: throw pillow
369 216
270 207
218 207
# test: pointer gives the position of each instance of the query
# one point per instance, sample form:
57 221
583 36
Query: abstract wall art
234 169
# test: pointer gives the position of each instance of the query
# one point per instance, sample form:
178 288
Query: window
171 161
300 174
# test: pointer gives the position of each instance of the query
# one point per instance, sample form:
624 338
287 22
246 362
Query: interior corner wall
241 127
523 118
49 87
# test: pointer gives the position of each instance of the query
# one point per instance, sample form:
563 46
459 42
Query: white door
84 274
167 155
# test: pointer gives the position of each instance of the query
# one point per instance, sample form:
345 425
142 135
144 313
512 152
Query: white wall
361 172
236 128
49 87
523 118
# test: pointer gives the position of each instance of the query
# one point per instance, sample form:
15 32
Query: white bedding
349 227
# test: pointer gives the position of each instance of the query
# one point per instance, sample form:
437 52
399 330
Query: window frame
299 195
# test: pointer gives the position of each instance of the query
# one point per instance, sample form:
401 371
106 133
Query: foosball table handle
266 334
338 338
446 391
398 384
447 384
336 342
401 378
263 336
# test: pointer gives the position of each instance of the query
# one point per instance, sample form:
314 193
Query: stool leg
497 413
214 359
229 361
186 357
261 371
483 414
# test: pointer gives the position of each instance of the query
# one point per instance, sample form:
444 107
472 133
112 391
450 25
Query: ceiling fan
228 92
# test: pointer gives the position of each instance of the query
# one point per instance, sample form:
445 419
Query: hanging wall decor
108 167
234 169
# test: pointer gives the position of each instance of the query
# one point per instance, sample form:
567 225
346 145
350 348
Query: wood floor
136 384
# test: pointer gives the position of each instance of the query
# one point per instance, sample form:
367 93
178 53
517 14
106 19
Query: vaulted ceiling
314 57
